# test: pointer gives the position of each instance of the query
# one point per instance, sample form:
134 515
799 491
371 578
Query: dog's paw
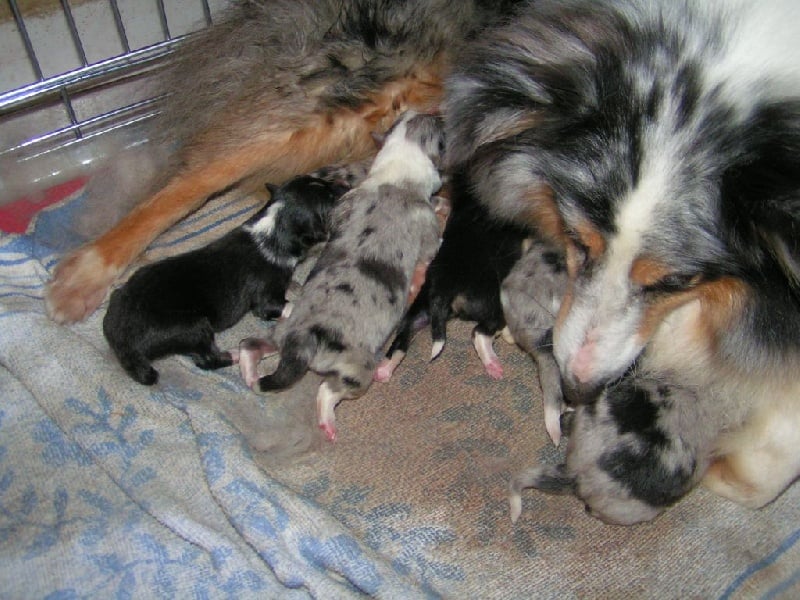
79 285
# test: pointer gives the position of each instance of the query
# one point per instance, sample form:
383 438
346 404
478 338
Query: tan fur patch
592 239
721 302
542 214
647 271
656 312
564 308
420 90
722 476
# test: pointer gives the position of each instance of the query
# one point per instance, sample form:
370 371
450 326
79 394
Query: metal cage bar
46 91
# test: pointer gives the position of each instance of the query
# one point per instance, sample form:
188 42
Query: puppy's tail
297 352
553 479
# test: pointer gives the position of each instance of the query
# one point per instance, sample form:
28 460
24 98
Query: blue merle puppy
357 292
635 451
531 296
175 306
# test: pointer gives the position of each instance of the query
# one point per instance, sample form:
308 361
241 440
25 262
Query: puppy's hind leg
483 340
553 479
349 379
414 320
439 312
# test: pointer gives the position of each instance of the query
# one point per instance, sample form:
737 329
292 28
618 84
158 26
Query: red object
15 216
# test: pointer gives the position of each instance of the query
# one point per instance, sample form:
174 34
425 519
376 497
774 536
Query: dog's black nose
581 393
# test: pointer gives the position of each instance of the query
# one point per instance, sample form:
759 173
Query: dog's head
667 183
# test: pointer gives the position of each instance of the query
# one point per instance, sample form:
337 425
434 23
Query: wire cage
50 116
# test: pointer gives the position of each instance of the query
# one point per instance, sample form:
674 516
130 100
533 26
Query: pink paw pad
494 369
329 431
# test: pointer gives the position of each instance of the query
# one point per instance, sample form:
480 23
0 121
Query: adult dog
656 141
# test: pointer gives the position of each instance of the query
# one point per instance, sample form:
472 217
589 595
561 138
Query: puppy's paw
329 429
387 366
79 285
494 369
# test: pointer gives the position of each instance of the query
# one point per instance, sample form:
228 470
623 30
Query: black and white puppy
531 296
463 281
356 294
175 306
640 448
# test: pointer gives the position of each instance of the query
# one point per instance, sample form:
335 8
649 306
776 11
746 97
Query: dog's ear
272 188
761 193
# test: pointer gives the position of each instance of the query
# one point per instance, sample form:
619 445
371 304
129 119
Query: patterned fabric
200 488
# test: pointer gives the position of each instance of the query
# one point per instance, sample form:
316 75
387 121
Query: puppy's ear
761 194
272 188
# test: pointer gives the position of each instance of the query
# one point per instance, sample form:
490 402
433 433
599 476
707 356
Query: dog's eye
674 282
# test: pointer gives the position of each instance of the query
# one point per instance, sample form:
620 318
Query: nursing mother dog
657 143
654 141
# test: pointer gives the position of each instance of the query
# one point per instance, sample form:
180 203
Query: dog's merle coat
658 144
175 306
356 293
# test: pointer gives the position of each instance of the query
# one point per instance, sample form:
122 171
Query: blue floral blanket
199 488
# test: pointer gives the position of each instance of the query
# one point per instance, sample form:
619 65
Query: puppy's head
298 215
668 185
425 131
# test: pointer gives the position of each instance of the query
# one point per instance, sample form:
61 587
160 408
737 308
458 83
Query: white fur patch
265 226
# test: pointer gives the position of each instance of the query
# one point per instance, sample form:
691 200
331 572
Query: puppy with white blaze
657 142
176 305
357 291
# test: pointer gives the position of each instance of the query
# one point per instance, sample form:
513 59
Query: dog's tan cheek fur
566 306
542 214
721 302
591 237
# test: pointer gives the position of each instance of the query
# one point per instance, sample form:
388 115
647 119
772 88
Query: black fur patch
645 476
633 411
330 338
385 274
351 382
345 288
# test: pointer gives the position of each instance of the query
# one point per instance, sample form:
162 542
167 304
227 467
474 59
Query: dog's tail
297 352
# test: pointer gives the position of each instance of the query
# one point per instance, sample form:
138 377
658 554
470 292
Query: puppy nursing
463 281
531 296
356 293
176 305
656 143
